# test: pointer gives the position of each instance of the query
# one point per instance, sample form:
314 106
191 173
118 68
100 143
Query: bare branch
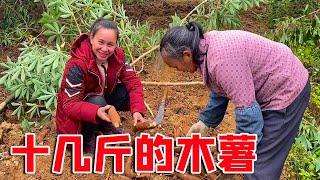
171 83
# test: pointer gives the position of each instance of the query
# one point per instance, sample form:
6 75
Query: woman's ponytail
198 35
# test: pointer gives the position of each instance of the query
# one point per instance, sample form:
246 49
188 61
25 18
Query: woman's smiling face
103 44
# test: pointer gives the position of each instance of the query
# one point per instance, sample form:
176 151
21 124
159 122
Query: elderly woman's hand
198 127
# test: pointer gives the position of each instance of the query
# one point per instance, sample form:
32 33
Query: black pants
279 132
119 98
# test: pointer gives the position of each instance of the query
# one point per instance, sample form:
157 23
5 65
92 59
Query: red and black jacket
82 79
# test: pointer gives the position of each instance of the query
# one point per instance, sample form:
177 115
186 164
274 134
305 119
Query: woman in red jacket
94 78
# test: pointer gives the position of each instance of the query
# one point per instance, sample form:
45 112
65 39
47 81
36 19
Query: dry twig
144 54
149 109
171 83
5 102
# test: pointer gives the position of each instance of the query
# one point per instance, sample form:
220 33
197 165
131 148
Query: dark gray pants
119 98
279 132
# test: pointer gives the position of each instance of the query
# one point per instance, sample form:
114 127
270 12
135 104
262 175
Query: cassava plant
219 14
16 24
34 79
295 31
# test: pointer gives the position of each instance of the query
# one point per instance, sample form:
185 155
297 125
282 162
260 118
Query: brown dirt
253 22
158 12
182 107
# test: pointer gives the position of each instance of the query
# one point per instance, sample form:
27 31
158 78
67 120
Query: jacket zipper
114 85
102 89
99 86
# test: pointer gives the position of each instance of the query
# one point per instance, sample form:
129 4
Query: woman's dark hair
103 23
181 38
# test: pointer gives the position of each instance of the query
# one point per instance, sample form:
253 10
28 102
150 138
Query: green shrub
304 158
215 15
34 79
278 9
309 54
306 164
16 21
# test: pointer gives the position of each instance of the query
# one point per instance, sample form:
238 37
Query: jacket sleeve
237 83
73 88
215 110
250 120
133 84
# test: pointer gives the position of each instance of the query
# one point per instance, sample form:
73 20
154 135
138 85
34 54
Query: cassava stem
148 83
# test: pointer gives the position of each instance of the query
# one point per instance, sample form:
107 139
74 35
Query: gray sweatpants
279 132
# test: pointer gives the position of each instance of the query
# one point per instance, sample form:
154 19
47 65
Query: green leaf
55 102
23 92
44 97
26 125
35 95
55 64
15 104
94 16
23 75
49 27
62 29
32 111
49 59
49 102
32 66
56 27
64 9
17 92
3 79
317 19
49 33
65 16
39 68
52 38
44 112
4 65
317 164
47 69
16 74
18 111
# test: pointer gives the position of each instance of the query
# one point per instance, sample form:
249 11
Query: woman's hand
137 117
198 127
102 113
